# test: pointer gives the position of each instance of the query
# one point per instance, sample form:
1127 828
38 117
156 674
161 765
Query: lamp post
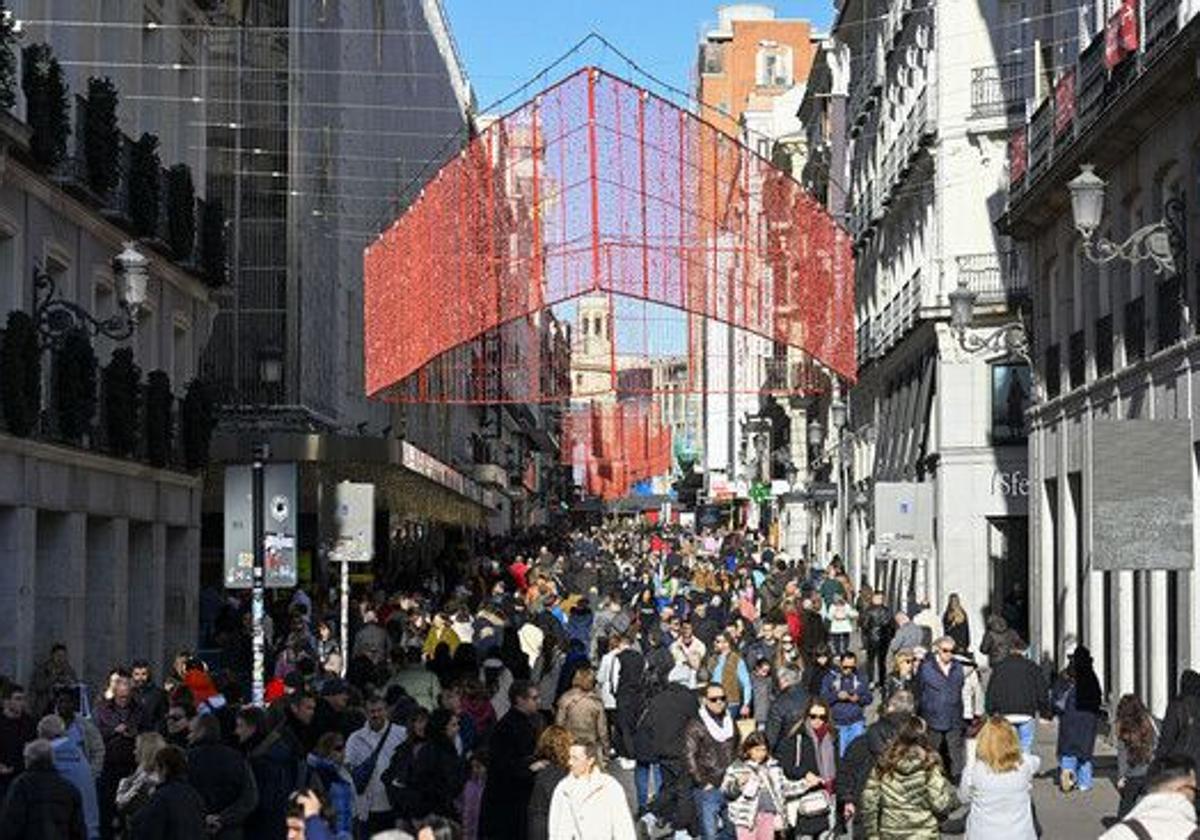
1011 338
1158 242
54 317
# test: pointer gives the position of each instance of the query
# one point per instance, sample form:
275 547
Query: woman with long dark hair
907 792
1077 702
809 754
1136 739
438 771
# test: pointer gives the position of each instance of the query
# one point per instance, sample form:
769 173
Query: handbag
362 773
814 803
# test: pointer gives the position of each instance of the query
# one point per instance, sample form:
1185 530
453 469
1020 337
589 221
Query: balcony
1040 134
1104 345
1162 24
897 318
995 276
998 91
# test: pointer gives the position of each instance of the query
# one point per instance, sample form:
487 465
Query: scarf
823 741
720 732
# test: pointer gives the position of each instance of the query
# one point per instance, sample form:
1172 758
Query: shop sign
1010 483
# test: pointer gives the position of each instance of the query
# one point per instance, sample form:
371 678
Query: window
11 284
1012 396
181 353
774 66
712 59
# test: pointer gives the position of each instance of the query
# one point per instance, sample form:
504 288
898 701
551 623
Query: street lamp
1011 338
270 366
838 413
56 317
816 434
1157 242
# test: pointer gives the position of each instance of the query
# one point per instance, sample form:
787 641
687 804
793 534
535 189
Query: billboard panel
1141 494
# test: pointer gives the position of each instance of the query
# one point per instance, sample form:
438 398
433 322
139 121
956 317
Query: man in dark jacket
664 726
848 695
119 720
504 810
276 760
175 811
1018 691
222 778
941 686
17 729
41 804
710 746
1181 723
876 631
630 696
150 697
787 708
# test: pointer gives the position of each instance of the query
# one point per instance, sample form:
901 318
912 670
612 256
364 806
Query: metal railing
1162 23
998 91
994 275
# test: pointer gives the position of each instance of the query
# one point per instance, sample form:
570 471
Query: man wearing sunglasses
941 679
711 745
848 695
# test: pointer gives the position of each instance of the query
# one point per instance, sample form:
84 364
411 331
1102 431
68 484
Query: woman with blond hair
998 785
135 791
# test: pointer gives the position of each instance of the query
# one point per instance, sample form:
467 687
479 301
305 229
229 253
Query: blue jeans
710 810
645 775
847 734
1026 732
1081 769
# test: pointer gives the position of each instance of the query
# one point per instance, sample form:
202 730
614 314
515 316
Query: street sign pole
257 609
345 613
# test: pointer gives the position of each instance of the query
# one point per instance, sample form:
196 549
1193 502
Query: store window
1012 396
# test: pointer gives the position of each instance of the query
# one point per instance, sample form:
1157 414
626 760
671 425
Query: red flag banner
1121 34
1064 103
1018 155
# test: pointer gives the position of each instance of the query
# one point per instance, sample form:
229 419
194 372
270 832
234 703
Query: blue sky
504 43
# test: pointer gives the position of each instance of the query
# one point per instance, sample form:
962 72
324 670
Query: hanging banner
1121 34
1064 103
1018 155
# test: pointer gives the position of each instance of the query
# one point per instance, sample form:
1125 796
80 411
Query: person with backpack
1168 810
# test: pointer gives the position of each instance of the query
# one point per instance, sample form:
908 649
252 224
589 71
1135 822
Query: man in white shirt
379 738
687 649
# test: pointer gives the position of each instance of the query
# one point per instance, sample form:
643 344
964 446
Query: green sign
760 491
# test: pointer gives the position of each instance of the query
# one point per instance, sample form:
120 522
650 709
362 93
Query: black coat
42 805
787 708
224 781
1017 687
877 622
667 717
505 807
1180 730
174 812
279 768
439 773
539 800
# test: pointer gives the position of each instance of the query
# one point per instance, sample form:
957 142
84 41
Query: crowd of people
601 684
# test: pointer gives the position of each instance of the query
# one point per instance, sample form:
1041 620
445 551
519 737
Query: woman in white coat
998 785
589 804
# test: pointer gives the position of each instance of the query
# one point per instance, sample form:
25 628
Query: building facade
1115 347
100 552
752 68
927 442
327 120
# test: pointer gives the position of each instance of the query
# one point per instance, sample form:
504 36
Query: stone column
18 568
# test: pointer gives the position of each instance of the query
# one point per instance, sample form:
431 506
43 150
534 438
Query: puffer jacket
708 759
906 805
743 799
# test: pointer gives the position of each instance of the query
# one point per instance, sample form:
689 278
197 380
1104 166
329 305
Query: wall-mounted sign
280 523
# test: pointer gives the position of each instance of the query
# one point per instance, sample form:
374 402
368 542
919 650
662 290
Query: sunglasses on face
816 716
715 699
